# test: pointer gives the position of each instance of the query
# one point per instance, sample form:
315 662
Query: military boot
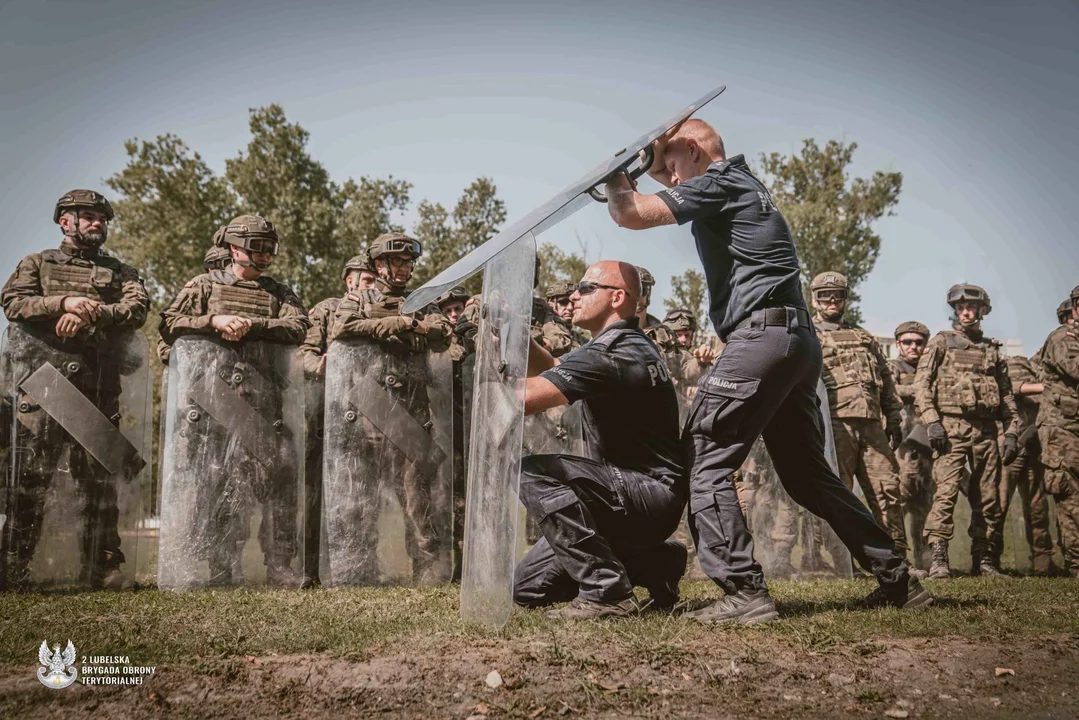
905 597
582 609
938 567
981 560
746 607
279 572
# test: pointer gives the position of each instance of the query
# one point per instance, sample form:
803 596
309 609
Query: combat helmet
911 326
393 243
356 262
249 232
970 293
216 258
1064 310
561 288
829 280
1074 297
681 319
647 281
82 199
455 293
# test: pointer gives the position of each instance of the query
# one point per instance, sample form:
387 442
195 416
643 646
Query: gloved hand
1009 451
938 438
387 327
895 436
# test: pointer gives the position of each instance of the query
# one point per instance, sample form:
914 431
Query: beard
95 239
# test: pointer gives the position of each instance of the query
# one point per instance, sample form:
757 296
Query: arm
633 211
187 313
313 348
539 359
925 378
289 327
557 338
890 404
1029 388
1009 413
131 310
1061 355
541 394
22 296
439 331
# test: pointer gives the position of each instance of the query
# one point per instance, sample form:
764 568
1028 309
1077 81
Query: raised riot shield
789 541
76 416
496 429
387 472
232 462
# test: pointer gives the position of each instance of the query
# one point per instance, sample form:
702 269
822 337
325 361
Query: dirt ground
962 660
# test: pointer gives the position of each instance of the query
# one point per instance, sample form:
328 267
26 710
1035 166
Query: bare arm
633 211
541 394
539 359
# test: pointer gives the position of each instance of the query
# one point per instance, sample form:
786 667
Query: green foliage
831 217
690 290
557 264
476 219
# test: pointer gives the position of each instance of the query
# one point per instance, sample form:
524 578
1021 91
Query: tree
476 219
558 265
169 206
831 217
690 290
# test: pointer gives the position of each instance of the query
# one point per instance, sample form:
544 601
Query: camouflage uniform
1058 431
915 464
376 314
1027 475
276 317
962 383
33 300
860 391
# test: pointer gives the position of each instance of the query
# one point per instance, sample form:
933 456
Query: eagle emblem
58 669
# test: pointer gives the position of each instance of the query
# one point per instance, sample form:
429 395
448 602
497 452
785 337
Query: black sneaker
581 609
905 598
746 607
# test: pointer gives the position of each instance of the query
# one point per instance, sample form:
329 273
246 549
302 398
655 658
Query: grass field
402 652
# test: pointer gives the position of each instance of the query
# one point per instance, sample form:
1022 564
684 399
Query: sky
976 103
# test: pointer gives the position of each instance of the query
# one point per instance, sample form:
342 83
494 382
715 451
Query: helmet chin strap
79 238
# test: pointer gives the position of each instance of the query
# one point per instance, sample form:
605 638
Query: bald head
705 136
616 289
691 151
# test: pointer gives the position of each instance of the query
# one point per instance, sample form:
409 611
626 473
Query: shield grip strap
74 412
400 428
220 400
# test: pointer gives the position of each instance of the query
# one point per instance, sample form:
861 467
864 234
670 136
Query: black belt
788 317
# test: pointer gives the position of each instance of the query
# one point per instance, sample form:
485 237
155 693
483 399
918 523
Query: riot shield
496 428
558 431
233 461
554 211
387 473
789 541
77 423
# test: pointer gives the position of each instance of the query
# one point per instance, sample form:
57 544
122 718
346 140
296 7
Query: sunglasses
587 287
917 342
831 296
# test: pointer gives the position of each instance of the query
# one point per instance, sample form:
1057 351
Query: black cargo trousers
765 382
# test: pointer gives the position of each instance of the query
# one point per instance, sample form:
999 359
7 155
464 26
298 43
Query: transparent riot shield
387 472
78 434
232 466
558 431
494 460
789 541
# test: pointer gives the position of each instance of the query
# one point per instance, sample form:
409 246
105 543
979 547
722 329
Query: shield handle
649 155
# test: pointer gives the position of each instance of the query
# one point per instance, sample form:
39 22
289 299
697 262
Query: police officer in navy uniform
764 382
605 521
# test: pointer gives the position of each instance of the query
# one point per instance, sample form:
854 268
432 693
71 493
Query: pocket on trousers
721 408
704 510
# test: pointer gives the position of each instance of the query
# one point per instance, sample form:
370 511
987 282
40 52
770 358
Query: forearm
32 308
175 324
633 211
1031 388
129 312
285 330
539 359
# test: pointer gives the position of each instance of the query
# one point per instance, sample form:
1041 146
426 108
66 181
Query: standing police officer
960 391
860 391
605 521
764 382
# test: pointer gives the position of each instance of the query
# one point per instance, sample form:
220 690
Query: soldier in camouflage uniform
405 342
78 301
560 304
646 319
1025 474
452 305
961 390
1064 313
915 463
860 391
240 304
357 275
215 258
1058 428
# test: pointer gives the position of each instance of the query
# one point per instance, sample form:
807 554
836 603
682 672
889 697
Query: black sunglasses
587 287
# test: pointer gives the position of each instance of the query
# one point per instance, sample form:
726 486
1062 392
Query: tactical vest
243 300
851 372
1061 390
63 274
401 370
904 374
965 379
662 336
